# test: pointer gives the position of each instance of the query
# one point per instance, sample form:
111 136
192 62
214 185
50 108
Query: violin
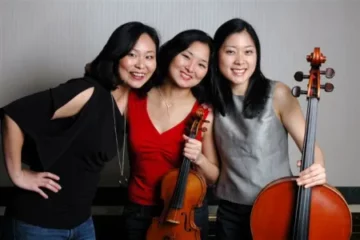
182 190
283 210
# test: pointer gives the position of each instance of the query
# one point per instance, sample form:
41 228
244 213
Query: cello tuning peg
328 87
299 76
329 72
296 91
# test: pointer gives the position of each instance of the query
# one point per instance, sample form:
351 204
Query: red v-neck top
152 154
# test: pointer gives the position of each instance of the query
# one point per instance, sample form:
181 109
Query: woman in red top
157 142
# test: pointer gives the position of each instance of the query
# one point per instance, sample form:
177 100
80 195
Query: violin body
179 223
285 211
182 190
273 213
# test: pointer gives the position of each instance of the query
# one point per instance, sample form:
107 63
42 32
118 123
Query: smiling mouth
185 76
137 75
238 72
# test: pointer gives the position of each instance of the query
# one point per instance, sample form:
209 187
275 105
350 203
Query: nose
190 66
140 63
239 59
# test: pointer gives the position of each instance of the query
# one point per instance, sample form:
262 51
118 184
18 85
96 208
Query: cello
285 211
182 190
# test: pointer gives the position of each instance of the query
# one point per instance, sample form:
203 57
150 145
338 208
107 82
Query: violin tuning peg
296 91
328 87
206 121
329 73
299 76
203 129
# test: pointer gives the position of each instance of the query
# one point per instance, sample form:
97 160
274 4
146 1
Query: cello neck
308 151
302 214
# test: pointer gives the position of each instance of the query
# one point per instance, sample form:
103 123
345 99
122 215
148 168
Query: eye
185 56
230 52
150 57
131 54
249 52
203 65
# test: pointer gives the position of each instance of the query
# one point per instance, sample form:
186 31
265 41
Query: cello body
182 190
285 211
273 213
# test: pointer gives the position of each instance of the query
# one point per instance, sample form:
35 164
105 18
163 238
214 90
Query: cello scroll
316 58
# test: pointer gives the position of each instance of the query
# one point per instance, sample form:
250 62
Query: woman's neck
120 95
240 89
174 94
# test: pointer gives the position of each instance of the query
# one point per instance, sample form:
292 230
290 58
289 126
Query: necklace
121 161
168 105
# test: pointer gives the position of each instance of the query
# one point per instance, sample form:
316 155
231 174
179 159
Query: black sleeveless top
74 148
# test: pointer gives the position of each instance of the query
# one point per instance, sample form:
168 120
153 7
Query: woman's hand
312 176
34 181
193 150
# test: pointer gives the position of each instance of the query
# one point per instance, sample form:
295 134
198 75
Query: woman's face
237 58
136 68
190 66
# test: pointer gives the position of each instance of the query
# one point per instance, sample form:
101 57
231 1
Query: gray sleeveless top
253 152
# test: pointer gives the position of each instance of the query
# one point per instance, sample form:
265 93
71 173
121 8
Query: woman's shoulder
283 100
138 96
281 91
80 84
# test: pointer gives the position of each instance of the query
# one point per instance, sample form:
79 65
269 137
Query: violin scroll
316 58
194 125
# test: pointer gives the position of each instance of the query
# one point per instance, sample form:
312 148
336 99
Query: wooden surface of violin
181 191
285 211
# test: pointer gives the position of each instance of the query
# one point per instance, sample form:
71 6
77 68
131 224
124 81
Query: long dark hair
206 90
104 68
257 92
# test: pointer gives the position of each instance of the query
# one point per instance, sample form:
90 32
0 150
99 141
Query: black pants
233 221
138 219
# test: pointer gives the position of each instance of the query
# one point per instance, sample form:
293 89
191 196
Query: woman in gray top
252 135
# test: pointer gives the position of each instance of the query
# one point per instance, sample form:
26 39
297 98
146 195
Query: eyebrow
137 50
203 60
248 46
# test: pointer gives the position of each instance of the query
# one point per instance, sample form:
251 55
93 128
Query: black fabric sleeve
33 115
